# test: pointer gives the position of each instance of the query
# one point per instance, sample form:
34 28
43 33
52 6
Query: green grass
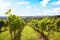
27 34
5 35
56 36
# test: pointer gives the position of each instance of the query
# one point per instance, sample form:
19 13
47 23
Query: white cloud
44 2
37 9
28 7
24 2
54 11
0 1
30 12
56 3
42 12
37 14
4 6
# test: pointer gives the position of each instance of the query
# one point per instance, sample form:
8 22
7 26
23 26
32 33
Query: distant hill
29 17
3 17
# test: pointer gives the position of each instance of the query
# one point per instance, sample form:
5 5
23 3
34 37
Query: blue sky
30 7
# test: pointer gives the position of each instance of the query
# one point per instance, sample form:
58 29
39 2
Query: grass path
29 34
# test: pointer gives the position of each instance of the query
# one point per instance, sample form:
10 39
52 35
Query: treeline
16 25
3 23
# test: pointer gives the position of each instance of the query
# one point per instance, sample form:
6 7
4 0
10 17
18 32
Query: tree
9 22
8 12
15 23
5 23
1 24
